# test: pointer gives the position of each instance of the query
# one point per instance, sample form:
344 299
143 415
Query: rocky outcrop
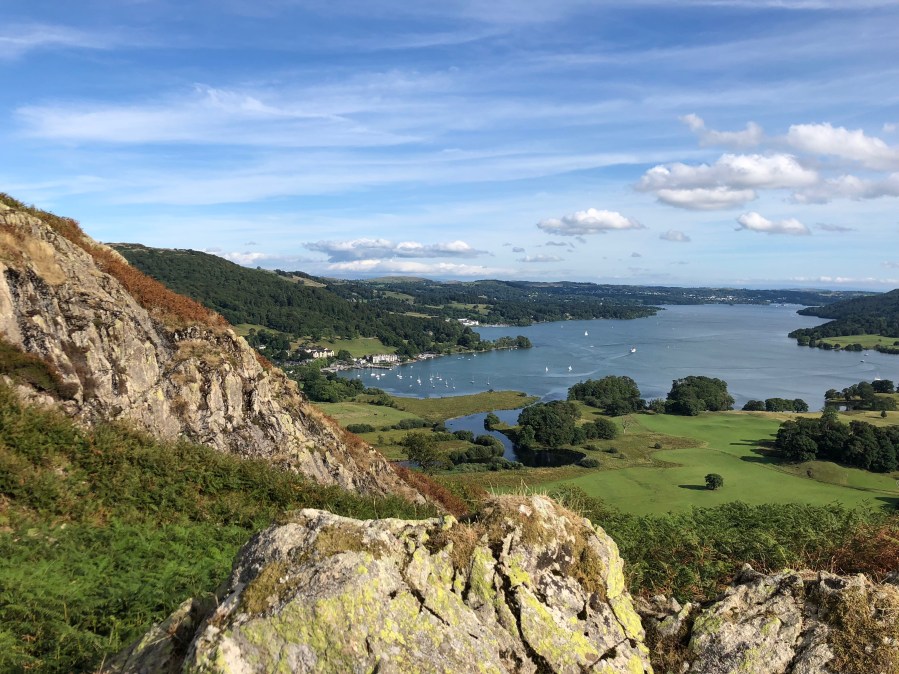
787 623
529 587
122 362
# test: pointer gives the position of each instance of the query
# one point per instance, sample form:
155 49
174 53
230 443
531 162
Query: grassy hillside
103 532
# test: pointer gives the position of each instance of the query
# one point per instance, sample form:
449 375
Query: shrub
360 428
588 462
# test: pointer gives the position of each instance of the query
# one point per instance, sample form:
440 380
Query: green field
727 444
867 341
359 347
440 409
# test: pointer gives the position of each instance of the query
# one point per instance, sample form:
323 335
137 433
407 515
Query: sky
750 143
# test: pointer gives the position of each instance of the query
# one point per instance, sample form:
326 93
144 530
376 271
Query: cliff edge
127 349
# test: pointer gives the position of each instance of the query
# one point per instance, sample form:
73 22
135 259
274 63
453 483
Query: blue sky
735 142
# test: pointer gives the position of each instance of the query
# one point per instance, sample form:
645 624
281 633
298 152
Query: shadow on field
890 503
694 487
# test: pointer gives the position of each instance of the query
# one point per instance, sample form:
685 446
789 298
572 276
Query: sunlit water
745 345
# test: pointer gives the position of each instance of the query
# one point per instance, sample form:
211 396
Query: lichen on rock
324 593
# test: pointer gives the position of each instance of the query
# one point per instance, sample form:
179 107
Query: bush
360 428
588 462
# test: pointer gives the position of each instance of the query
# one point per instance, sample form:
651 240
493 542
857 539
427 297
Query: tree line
857 444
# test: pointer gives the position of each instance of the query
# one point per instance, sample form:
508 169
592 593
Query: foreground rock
530 587
120 360
787 623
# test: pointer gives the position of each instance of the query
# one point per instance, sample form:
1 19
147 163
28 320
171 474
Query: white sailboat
633 349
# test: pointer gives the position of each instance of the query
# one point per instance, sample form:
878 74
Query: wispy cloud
411 267
17 40
829 227
374 249
528 259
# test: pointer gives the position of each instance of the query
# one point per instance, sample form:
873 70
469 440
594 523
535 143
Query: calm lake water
745 345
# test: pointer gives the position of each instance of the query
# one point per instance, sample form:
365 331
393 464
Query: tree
613 395
491 421
552 423
691 395
714 481
882 386
754 406
344 356
420 448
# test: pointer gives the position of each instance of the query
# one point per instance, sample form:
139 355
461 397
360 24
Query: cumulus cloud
703 199
890 265
751 136
636 255
591 221
371 249
540 258
730 181
854 145
674 235
848 187
868 280
558 243
754 222
412 267
518 249
828 227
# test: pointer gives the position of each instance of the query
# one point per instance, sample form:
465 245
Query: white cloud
731 181
890 265
540 258
734 171
751 136
517 249
755 222
564 244
635 254
824 139
591 221
674 235
369 249
411 267
849 187
706 199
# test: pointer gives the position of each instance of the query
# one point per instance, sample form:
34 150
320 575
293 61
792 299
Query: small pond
533 459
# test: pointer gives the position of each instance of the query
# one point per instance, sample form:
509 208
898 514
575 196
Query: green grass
104 532
434 410
363 413
727 444
359 347
867 341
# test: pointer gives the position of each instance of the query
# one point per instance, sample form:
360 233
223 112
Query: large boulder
528 587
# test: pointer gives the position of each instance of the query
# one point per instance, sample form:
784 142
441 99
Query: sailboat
633 349
586 333
569 368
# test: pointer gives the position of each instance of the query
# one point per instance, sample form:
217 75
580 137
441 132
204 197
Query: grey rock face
787 623
123 363
528 588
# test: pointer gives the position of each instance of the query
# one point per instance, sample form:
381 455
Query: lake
745 345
